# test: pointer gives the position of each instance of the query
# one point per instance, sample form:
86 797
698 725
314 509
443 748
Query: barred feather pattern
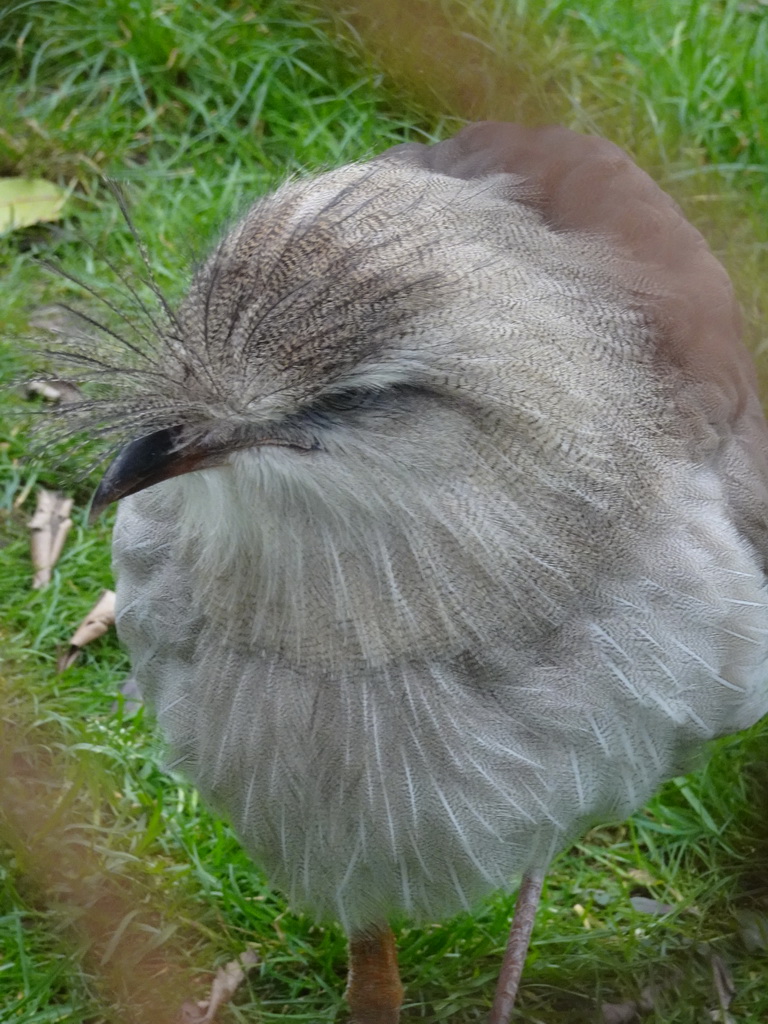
414 646
422 783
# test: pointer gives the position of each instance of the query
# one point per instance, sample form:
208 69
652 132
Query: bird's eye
342 401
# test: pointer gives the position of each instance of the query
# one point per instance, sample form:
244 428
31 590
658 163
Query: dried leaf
642 876
648 998
25 201
645 905
53 390
224 986
599 896
721 1016
49 525
724 987
95 624
65 325
42 388
190 1013
132 697
619 1013
753 928
54 319
630 1010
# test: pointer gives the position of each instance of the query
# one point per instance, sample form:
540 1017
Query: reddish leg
374 992
517 947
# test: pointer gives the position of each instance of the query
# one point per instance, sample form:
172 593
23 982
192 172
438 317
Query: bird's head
427 395
379 313
319 319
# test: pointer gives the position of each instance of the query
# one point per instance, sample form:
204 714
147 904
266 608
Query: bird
442 524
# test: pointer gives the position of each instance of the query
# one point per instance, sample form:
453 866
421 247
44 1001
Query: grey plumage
473 552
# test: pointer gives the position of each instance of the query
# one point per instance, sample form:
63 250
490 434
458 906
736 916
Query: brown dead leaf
224 986
619 1013
66 325
55 319
53 390
136 961
642 876
95 624
646 905
44 389
753 927
49 525
725 989
132 698
630 1010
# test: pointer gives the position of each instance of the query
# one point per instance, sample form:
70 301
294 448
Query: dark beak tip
141 463
95 510
104 495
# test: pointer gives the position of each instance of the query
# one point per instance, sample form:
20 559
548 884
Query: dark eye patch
337 404
343 401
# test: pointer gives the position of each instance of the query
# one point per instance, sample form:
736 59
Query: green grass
196 108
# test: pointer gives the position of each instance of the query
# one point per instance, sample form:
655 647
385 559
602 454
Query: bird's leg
374 992
517 946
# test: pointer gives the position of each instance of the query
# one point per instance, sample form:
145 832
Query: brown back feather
588 184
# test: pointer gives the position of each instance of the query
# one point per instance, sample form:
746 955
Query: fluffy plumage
474 552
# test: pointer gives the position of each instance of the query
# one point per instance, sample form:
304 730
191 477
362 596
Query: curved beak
145 462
